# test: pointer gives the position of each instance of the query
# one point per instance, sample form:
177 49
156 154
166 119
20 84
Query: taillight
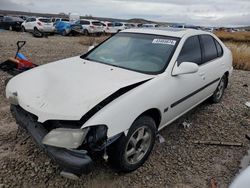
39 23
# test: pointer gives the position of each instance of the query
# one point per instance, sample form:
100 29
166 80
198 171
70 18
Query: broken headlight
65 137
13 98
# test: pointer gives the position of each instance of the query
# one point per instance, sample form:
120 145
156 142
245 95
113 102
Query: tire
219 92
131 151
86 32
37 33
64 33
23 29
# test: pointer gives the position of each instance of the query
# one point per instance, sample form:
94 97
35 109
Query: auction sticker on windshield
164 41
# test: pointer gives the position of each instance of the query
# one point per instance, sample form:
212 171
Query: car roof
43 18
167 31
91 20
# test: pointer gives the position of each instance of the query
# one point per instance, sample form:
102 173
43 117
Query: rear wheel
131 151
218 94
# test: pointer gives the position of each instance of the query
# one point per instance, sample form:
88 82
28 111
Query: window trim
198 36
222 51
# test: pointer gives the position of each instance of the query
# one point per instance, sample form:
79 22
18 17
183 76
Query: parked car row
64 26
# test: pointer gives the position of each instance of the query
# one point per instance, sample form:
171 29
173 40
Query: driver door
185 90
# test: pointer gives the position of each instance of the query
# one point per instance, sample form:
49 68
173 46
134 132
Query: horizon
216 13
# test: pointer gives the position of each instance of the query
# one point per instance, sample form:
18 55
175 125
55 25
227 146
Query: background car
66 28
40 24
54 20
150 25
114 27
23 17
12 23
91 26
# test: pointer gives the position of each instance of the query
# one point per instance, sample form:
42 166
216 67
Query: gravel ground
177 163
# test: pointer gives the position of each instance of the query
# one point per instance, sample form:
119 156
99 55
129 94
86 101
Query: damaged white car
115 98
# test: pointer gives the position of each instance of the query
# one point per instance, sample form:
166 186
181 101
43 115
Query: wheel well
155 114
226 74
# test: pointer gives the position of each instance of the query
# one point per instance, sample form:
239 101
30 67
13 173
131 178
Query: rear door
212 63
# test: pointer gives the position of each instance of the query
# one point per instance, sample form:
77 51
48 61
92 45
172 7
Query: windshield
138 52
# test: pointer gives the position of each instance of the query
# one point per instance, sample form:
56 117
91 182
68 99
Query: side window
83 22
33 19
219 48
210 51
118 24
191 51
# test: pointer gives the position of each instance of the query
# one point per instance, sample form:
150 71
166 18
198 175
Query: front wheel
131 151
218 94
85 32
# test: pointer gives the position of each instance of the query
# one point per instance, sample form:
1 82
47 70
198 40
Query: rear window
7 19
14 19
45 20
191 51
65 20
210 50
97 23
83 22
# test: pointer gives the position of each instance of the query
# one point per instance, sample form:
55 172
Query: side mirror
90 48
185 68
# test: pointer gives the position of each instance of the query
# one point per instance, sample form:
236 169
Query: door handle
202 74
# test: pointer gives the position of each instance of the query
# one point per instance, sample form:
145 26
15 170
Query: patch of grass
89 41
241 54
241 36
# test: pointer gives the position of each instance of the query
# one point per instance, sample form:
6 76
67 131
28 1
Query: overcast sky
202 12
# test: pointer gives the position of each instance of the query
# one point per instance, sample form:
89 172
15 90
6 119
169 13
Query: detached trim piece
193 93
109 99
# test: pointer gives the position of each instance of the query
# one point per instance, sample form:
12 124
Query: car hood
69 88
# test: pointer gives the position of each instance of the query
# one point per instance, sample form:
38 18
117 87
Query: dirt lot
178 162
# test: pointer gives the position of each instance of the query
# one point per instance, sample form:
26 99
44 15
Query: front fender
120 114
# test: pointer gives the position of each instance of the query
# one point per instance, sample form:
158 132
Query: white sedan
116 98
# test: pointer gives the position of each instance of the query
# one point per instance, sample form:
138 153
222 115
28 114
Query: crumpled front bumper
73 161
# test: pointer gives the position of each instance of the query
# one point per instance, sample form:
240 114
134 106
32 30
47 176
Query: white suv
116 98
38 24
114 27
91 26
